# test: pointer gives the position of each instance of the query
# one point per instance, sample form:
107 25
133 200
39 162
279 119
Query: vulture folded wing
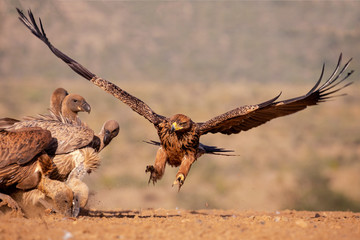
247 117
134 103
23 145
7 122
66 136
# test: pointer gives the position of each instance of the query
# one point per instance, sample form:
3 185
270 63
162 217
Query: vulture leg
7 200
157 170
184 169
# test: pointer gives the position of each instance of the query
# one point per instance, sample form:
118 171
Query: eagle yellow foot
153 175
179 180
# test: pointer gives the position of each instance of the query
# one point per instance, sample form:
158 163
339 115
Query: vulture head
108 132
72 104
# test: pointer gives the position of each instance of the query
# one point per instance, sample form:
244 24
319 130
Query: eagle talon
179 180
152 170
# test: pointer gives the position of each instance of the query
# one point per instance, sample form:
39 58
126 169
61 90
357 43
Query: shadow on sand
125 214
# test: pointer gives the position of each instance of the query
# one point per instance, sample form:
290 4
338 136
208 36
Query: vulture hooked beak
85 107
107 138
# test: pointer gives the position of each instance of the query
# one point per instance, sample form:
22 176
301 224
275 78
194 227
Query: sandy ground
185 224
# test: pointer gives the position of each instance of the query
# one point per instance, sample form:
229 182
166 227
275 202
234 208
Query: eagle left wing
247 117
134 103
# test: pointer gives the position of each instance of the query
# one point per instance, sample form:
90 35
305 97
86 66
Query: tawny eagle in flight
179 134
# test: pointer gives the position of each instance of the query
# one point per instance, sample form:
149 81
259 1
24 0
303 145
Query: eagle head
180 123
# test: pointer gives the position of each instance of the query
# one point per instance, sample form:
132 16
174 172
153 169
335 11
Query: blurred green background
200 58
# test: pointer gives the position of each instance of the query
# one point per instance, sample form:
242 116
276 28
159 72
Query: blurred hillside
201 59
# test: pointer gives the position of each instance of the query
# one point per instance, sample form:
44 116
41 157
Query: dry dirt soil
185 224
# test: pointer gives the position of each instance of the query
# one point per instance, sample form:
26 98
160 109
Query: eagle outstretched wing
247 117
134 103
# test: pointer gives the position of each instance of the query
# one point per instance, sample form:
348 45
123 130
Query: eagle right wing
134 103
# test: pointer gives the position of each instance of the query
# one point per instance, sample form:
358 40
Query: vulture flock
44 158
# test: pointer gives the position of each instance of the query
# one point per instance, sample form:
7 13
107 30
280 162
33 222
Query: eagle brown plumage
179 135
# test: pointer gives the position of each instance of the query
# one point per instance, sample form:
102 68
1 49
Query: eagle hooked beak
175 127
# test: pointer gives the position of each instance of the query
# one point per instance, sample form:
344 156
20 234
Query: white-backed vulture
72 167
72 141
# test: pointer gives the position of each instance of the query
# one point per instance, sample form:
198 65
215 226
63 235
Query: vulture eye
75 100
